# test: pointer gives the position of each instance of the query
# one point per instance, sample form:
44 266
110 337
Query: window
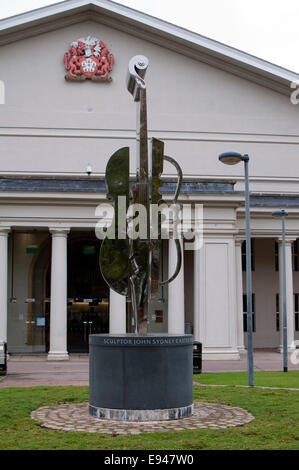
296 312
245 312
295 255
276 257
243 249
277 313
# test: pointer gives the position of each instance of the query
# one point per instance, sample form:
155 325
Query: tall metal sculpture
131 265
152 376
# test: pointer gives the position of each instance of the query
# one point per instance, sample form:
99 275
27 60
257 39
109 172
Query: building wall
54 126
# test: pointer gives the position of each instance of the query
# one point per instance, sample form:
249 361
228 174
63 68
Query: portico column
3 283
239 294
197 299
176 292
58 309
117 313
289 295
215 296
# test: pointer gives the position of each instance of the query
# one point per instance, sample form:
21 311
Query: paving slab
75 417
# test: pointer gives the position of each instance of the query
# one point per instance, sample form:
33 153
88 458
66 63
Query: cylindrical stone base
141 378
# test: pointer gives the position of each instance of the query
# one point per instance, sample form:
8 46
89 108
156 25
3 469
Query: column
58 309
289 295
239 295
3 282
176 294
117 313
197 298
215 313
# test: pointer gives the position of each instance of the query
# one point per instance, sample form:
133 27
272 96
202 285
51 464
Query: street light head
280 213
232 158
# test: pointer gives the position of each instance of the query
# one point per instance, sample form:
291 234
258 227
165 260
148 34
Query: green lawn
275 426
289 379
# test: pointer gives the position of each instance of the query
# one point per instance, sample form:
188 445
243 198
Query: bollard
197 357
3 358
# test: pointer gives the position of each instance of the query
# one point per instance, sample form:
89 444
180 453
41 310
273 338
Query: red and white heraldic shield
88 58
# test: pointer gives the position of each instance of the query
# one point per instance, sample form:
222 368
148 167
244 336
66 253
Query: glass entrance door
86 317
88 294
28 290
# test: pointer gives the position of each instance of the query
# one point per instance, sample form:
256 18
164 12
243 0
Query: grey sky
264 28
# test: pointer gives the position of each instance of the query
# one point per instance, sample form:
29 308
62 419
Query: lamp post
232 158
282 213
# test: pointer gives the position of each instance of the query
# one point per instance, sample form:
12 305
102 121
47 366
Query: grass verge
275 426
289 379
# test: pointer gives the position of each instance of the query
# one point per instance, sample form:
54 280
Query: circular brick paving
75 417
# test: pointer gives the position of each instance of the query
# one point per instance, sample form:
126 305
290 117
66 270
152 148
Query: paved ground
75 417
28 371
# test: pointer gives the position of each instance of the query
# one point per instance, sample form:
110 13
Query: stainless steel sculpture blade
130 264
114 253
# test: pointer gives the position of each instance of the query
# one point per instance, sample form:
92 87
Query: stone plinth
141 378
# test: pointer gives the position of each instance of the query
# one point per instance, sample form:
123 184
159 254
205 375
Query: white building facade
203 98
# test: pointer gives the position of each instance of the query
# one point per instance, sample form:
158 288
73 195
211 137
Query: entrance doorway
28 291
88 293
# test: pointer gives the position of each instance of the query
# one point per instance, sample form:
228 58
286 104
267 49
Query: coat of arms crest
88 58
